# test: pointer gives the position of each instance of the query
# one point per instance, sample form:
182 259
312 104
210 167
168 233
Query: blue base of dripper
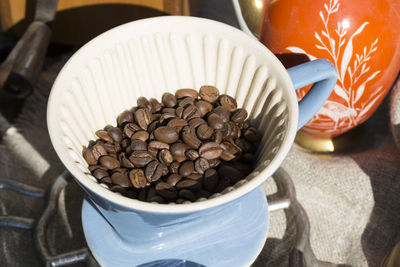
236 241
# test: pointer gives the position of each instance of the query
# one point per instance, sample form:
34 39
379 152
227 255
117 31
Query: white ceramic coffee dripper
157 55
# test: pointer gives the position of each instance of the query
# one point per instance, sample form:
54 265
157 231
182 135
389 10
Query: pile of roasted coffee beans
189 146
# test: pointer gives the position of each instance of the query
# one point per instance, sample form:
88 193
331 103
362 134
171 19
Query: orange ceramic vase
360 37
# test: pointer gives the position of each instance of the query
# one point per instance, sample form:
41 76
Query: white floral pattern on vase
354 74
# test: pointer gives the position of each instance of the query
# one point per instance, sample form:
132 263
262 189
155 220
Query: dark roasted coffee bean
223 113
138 144
130 194
211 180
192 154
120 179
245 145
251 135
115 133
141 135
125 117
151 193
125 143
142 102
210 150
196 176
204 107
188 184
204 132
166 117
245 168
169 100
228 102
106 180
179 112
108 126
138 179
245 124
158 145
186 101
201 165
155 105
203 194
109 162
177 124
218 136
140 158
231 173
248 157
110 148
215 121
165 157
178 151
130 129
173 179
187 194
190 138
190 112
180 200
98 150
223 183
143 117
104 136
99 174
142 196
118 189
120 170
125 162
158 199
153 171
239 115
166 134
174 167
186 168
209 93
214 162
181 93
196 122
154 125
229 151
166 191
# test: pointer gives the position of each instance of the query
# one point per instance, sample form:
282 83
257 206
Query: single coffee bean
166 134
117 189
231 173
140 158
223 113
155 105
106 180
186 101
125 162
141 135
165 157
209 93
120 170
229 151
251 135
130 194
110 148
109 162
191 154
125 117
108 126
143 117
166 117
138 179
151 193
165 170
245 145
196 122
228 102
130 129
204 107
158 145
142 102
245 168
120 179
115 133
167 110
190 138
154 125
181 93
215 121
98 150
173 179
142 196
186 168
166 190
211 180
218 136
174 167
92 168
158 199
188 184
239 115
190 112
178 151
223 183
104 136
210 150
187 194
138 144
179 112
201 165
180 200
203 194
153 171
99 174
177 124
169 100
196 176
204 132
